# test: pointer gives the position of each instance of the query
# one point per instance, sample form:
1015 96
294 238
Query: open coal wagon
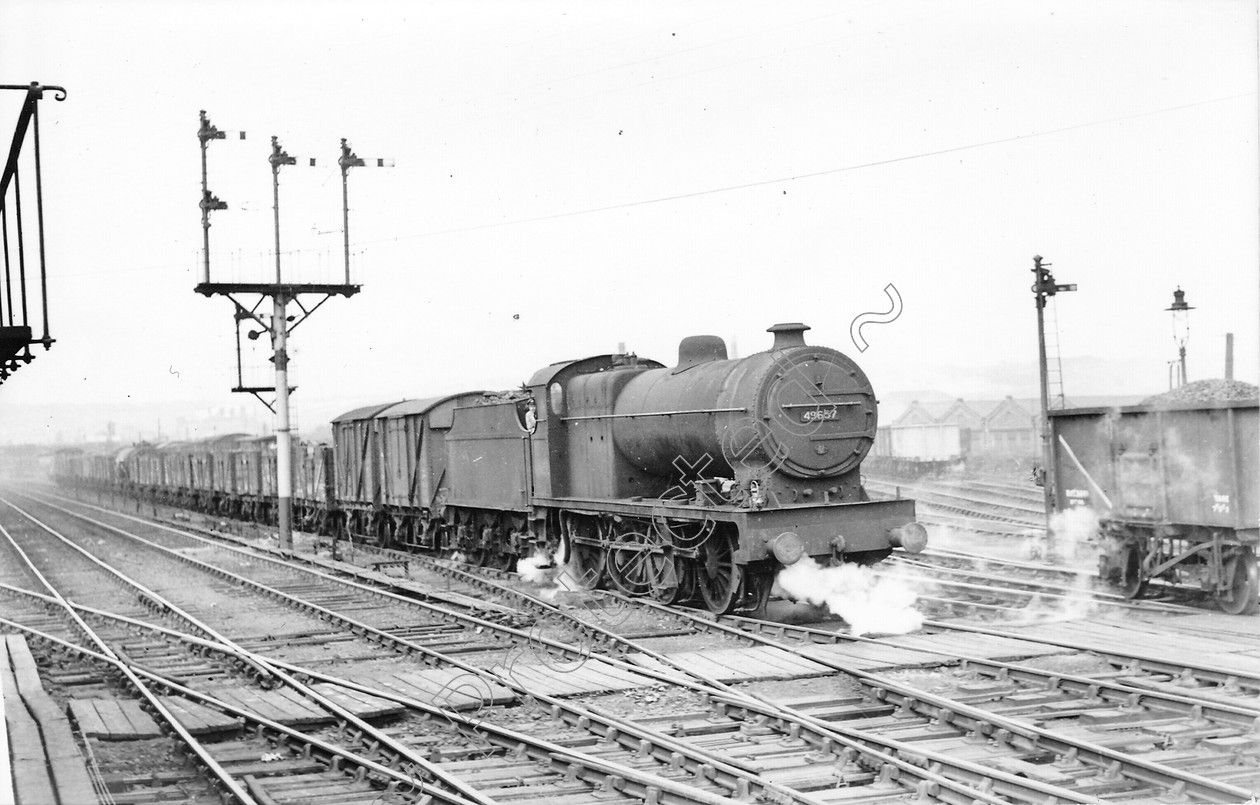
1175 489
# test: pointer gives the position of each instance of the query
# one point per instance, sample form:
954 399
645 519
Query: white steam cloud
550 571
869 603
537 569
1076 541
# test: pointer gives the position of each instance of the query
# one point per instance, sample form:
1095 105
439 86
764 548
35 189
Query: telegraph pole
1042 288
281 294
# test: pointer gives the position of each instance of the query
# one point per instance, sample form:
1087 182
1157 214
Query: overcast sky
571 176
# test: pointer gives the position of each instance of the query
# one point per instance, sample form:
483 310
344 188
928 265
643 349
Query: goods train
1175 488
696 481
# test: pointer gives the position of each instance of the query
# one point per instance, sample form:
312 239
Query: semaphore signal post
281 294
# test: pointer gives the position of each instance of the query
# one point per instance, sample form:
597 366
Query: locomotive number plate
820 414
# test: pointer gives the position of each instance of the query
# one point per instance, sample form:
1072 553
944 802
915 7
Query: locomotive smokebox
795 410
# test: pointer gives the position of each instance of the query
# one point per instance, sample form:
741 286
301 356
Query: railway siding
888 730
711 770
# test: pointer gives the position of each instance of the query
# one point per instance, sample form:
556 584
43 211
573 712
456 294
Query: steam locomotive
696 481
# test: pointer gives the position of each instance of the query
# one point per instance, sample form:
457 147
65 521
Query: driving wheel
717 575
629 565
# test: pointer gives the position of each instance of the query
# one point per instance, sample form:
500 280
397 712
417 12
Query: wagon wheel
1132 583
403 530
586 563
381 530
717 574
359 526
1243 578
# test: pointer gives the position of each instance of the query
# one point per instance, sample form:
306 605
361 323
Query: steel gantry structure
281 293
18 310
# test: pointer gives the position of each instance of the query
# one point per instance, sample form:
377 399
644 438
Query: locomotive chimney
696 349
788 335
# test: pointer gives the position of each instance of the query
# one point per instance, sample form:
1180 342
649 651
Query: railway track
589 773
1002 488
1133 721
806 773
966 582
1190 689
763 715
145 714
964 505
953 585
815 776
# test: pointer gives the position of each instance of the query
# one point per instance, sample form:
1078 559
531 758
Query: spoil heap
1206 391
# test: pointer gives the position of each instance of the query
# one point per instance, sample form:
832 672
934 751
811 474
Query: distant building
915 414
1001 433
1009 429
999 428
967 419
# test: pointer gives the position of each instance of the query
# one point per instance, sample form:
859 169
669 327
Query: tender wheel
629 565
1132 583
1243 577
717 575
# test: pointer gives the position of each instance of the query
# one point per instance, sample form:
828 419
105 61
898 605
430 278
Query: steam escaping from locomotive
1076 536
1076 545
869 603
537 569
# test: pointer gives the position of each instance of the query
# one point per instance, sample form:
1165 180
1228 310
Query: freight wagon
1175 489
